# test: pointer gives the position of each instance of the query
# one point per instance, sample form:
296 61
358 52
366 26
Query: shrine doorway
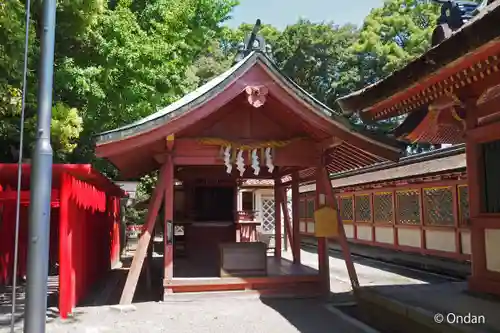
214 203
212 223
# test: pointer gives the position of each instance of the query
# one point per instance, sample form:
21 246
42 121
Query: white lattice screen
268 214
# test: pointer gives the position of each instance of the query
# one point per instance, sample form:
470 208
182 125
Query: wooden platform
283 277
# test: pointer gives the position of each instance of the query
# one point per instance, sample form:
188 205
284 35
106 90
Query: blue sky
281 13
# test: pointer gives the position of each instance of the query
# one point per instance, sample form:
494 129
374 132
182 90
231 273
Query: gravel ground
241 314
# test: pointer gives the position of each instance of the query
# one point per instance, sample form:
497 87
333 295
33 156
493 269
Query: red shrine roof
132 147
457 62
83 172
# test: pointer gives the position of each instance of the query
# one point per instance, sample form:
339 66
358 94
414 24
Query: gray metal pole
41 182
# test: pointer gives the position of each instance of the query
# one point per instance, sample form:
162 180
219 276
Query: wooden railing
246 215
246 226
429 218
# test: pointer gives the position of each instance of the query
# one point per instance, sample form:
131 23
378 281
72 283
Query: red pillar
236 214
65 285
72 238
169 219
295 217
277 219
115 241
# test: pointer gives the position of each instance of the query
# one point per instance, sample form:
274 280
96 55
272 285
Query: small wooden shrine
451 95
251 122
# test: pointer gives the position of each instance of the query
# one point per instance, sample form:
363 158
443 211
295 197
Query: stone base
484 285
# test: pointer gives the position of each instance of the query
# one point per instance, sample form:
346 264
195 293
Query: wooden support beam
296 217
277 219
142 247
288 225
330 200
148 262
323 256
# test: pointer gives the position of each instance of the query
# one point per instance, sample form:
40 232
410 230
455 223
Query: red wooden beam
11 195
190 151
480 54
277 218
65 271
142 247
296 217
169 218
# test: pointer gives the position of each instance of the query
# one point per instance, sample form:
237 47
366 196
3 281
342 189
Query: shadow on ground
6 302
308 315
108 291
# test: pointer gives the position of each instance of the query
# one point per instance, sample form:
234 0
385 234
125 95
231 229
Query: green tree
392 36
316 56
222 51
208 65
231 38
135 59
115 62
66 121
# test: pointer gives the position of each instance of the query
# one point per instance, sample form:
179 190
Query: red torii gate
85 227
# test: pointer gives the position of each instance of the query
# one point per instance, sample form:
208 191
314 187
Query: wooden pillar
323 256
342 239
65 271
473 157
277 219
483 226
168 232
295 217
288 225
142 246
236 209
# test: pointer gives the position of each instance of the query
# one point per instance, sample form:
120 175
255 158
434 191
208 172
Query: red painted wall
7 240
89 239
85 228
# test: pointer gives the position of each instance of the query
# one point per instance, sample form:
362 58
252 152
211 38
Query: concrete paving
409 259
370 272
240 312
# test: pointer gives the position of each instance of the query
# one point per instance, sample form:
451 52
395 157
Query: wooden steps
265 285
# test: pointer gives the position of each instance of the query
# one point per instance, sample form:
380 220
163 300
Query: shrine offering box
243 259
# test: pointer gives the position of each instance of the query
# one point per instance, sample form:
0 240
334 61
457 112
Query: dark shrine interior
214 203
213 224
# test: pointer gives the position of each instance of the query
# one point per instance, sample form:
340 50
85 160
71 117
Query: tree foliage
316 56
392 36
117 61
